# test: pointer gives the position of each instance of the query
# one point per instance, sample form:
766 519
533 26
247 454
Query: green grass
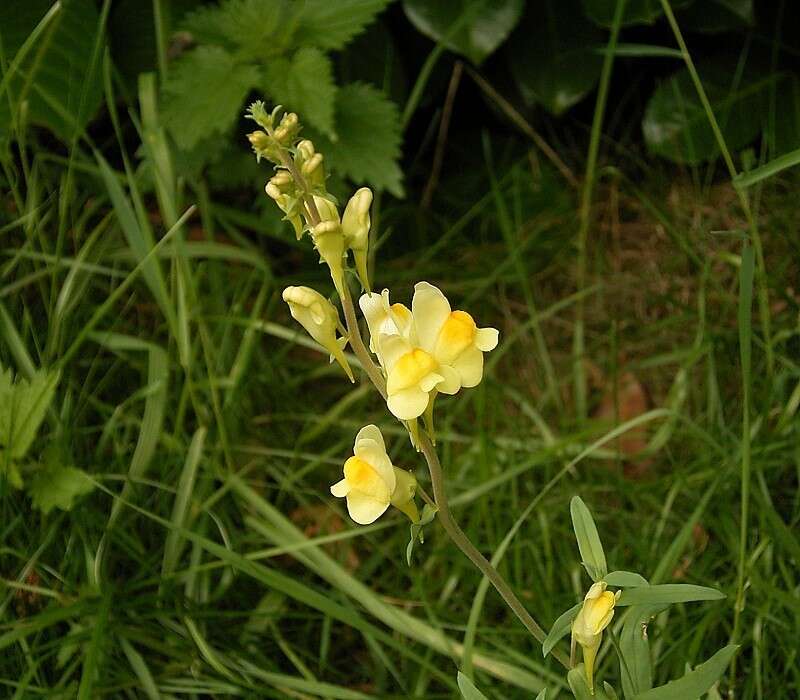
211 560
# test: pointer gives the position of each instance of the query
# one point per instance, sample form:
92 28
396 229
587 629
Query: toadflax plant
411 356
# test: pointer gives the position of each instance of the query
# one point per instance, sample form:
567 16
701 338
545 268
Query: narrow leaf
667 593
468 689
589 544
696 682
625 579
560 627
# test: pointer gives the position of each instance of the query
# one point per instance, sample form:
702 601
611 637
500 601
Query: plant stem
578 345
463 542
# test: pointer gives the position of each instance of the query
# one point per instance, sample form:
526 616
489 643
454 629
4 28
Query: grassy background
211 560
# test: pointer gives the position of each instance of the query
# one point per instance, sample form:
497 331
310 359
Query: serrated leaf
331 25
694 683
468 689
23 406
676 125
305 85
667 594
552 54
560 627
473 28
250 28
57 486
60 78
369 134
623 579
204 94
636 11
589 544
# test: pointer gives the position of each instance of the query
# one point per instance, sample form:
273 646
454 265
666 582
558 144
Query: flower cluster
421 352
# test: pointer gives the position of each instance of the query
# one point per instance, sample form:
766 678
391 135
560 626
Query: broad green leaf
253 29
552 54
59 79
23 405
636 11
667 593
368 144
637 671
694 683
473 28
204 94
304 85
468 689
560 627
713 16
58 486
625 579
332 25
676 126
591 549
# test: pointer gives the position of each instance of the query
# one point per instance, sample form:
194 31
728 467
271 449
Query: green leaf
542 695
591 549
473 28
676 125
560 627
23 405
250 28
468 689
636 11
204 94
305 85
427 516
713 16
59 79
368 144
552 54
57 486
636 672
668 593
332 25
694 683
625 579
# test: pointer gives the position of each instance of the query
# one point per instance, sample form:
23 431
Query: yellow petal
430 309
340 488
408 403
469 366
486 339
455 336
361 476
365 509
409 370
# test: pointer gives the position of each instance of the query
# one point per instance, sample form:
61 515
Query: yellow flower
384 318
282 189
309 163
411 375
371 482
451 337
320 318
355 225
588 626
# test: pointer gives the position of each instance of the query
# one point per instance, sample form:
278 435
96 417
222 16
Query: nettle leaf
252 28
636 11
23 406
696 682
332 25
676 125
468 689
552 54
204 94
60 78
473 28
57 486
589 544
369 136
305 85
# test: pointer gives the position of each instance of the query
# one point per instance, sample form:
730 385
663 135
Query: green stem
463 542
578 345
763 293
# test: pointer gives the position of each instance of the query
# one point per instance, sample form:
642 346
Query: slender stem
357 343
471 552
578 345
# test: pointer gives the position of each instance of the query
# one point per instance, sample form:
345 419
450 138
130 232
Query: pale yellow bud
320 319
593 618
329 242
355 225
259 140
404 492
327 209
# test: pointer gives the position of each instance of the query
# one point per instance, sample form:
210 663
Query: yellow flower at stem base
411 375
372 483
588 626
